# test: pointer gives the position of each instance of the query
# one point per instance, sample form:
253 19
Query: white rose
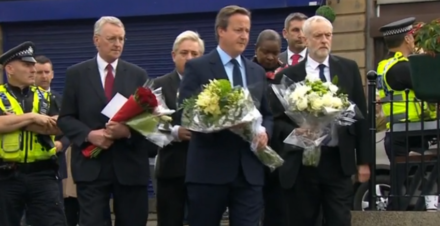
311 78
336 102
327 100
333 88
312 96
317 104
301 104
299 92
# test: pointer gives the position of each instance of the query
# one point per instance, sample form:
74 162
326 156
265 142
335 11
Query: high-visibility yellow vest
399 98
23 146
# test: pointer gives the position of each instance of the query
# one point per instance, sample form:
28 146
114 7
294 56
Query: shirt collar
226 59
302 53
102 64
180 76
312 63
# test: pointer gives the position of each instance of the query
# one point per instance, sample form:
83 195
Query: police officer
28 167
394 75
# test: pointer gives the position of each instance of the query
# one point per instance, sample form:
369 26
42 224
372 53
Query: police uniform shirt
398 76
25 98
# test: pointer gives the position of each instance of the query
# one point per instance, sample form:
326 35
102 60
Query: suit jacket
216 158
62 172
283 57
171 161
83 101
353 140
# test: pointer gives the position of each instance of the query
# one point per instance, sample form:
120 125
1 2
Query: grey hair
189 35
268 35
314 19
294 16
106 20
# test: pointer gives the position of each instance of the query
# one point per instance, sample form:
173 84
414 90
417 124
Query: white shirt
312 69
102 67
290 54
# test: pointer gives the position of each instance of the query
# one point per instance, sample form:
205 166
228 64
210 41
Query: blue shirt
229 67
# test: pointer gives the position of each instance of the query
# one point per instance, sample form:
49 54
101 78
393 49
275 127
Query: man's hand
58 146
44 120
98 138
183 134
363 173
115 130
261 140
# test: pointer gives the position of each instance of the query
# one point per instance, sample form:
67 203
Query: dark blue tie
237 78
321 72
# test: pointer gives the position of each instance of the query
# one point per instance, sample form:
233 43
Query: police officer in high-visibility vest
28 168
394 75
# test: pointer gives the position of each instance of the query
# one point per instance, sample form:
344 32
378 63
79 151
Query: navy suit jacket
62 172
216 158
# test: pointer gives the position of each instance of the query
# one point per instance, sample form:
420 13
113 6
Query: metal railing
413 151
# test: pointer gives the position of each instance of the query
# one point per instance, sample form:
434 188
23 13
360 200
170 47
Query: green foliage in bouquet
427 37
327 12
217 99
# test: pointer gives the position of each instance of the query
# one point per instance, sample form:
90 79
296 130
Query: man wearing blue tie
221 170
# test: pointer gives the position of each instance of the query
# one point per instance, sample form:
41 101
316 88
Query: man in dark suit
296 50
221 170
329 184
122 167
171 195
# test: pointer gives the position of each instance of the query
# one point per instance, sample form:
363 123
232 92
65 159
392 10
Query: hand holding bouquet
316 107
220 106
142 112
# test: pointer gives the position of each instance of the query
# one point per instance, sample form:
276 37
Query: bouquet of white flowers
317 108
220 106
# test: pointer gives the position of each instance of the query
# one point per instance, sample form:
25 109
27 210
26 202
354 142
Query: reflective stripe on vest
23 146
400 99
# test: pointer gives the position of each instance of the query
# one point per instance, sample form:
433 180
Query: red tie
109 80
295 59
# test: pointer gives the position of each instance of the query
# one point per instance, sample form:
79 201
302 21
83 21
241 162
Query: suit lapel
283 57
249 70
95 80
335 68
175 81
217 68
120 78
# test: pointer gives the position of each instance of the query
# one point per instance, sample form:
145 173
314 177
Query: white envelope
114 105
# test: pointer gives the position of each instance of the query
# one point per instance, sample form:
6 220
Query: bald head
268 35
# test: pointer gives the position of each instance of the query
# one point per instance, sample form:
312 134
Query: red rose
146 98
270 75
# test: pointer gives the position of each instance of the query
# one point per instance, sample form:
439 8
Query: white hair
314 19
189 35
106 20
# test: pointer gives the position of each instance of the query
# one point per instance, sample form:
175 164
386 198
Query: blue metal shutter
149 39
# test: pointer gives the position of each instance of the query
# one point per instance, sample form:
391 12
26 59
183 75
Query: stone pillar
1 52
349 31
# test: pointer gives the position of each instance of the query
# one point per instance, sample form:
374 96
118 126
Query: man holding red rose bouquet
121 169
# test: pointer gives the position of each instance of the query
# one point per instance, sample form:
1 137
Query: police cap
23 52
402 26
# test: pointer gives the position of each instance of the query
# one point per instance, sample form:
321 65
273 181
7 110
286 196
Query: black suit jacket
83 101
171 161
62 172
353 140
216 158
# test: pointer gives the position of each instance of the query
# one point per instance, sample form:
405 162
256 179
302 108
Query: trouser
71 207
37 192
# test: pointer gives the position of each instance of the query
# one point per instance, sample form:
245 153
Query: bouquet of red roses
142 112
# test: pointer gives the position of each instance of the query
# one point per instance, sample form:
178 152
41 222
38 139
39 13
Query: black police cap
402 26
23 52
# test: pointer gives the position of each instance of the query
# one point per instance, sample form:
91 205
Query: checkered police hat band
397 31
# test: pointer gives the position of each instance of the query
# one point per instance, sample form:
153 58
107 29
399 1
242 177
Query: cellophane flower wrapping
148 123
318 108
220 106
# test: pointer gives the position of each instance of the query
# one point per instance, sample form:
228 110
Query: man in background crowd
293 33
122 168
171 162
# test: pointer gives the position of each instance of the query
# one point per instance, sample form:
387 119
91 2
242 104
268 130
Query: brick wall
1 52
349 31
